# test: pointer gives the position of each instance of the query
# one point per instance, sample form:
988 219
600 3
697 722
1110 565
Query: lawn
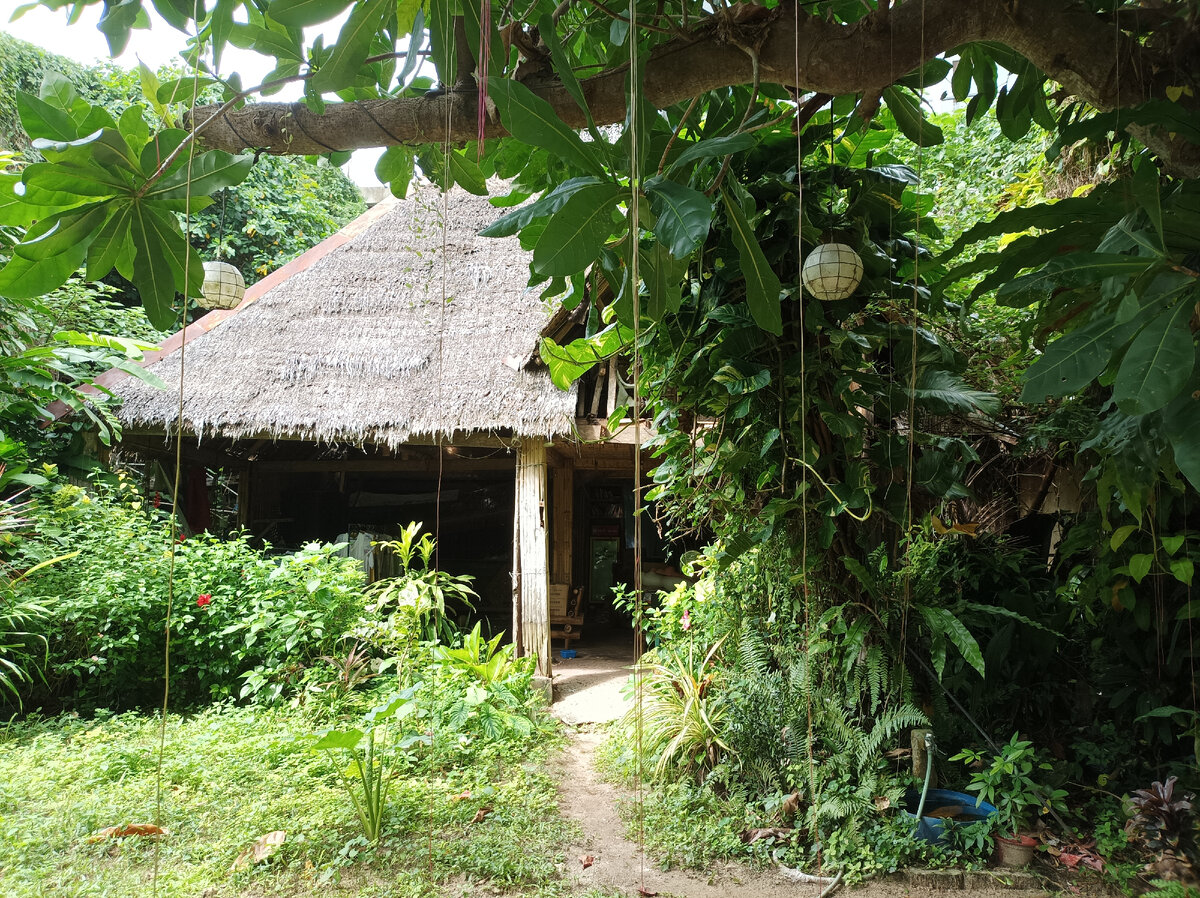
232 774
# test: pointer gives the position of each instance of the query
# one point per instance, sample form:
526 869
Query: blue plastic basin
566 654
931 828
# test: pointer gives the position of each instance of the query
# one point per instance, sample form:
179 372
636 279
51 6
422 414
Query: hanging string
451 65
635 288
914 313
804 584
173 522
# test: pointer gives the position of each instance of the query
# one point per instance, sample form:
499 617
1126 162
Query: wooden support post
921 756
535 581
563 526
243 498
516 566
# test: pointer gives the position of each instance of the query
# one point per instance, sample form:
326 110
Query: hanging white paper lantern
223 287
832 271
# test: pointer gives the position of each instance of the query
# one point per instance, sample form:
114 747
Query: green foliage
1007 781
22 68
484 659
107 195
243 623
368 759
680 710
421 602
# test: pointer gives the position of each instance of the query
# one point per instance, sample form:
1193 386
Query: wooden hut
391 374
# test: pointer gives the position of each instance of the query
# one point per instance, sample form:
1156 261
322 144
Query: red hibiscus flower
203 599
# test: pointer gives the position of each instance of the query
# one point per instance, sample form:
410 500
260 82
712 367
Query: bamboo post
534 583
516 564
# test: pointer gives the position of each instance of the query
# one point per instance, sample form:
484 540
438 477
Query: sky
159 45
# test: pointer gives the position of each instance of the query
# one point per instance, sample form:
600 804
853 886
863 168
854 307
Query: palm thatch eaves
406 329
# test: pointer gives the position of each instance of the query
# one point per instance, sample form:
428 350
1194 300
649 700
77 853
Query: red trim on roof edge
206 323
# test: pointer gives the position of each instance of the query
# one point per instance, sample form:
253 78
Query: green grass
230 775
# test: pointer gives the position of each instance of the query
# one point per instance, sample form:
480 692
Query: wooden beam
623 434
535 593
383 465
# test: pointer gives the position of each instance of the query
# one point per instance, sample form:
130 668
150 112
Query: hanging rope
804 465
914 313
173 523
635 288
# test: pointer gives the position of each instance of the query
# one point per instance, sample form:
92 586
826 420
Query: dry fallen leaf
646 893
481 813
129 829
262 848
882 803
587 860
461 796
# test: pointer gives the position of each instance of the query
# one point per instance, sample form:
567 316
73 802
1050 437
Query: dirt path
588 693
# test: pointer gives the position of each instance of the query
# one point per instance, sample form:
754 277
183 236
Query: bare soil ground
588 694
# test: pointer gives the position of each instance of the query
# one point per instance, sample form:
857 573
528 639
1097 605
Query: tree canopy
661 109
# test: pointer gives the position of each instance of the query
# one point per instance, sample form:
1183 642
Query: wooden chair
566 618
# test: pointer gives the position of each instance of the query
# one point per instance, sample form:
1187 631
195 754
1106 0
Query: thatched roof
357 345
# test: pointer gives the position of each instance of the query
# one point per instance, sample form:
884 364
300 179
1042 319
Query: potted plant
1006 780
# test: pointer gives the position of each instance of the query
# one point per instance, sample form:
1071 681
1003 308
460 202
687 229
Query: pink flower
203 599
686 621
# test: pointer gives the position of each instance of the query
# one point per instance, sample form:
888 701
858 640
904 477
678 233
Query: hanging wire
451 65
804 584
173 524
914 313
635 288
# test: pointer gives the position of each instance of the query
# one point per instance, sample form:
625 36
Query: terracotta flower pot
1014 851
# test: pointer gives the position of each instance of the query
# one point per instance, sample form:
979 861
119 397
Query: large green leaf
302 13
104 249
152 274
1159 362
395 168
353 45
566 74
1070 363
466 173
51 252
1070 271
741 377
88 181
1104 205
575 235
948 394
910 119
762 284
532 120
345 740
942 622
662 273
210 172
1145 188
683 215
40 119
567 363
519 219
1181 420
713 146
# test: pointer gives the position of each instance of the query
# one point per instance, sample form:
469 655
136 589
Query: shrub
244 623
